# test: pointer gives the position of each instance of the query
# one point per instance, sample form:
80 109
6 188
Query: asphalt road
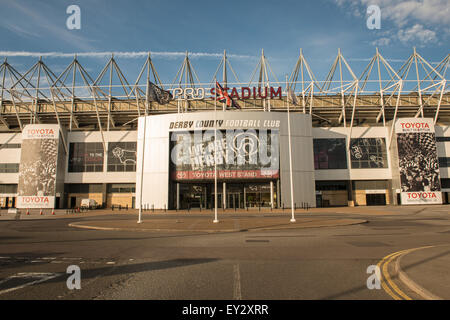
315 263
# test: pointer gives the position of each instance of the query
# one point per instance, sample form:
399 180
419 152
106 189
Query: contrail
121 54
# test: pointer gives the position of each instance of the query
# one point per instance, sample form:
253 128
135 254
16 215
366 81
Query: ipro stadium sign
241 93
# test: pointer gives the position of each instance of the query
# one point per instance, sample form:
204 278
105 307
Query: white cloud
381 42
121 54
417 33
418 21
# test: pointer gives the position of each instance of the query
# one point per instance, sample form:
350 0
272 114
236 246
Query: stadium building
381 138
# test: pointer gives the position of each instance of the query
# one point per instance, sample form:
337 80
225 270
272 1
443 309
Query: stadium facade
380 138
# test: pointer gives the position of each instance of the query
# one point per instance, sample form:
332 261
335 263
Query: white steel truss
78 101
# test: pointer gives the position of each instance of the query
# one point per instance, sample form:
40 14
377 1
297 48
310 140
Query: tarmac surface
251 254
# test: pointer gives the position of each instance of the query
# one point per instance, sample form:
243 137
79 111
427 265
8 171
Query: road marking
237 283
41 277
385 272
389 284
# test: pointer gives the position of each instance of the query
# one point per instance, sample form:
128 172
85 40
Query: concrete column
271 194
104 192
278 194
224 195
392 195
351 200
245 198
178 196
205 199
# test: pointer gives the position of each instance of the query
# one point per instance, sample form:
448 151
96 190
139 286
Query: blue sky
243 28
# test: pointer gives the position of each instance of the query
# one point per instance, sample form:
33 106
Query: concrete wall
10 156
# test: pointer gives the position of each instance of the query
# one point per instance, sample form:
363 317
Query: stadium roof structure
77 101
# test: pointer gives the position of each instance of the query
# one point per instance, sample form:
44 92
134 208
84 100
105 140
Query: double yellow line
386 282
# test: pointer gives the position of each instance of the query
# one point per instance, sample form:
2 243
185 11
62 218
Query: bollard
127 207
153 208
164 207
112 207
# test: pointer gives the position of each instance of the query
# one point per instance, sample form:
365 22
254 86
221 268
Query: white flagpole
290 153
215 152
143 151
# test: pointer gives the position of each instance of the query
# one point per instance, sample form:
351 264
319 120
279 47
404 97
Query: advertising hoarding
418 161
38 165
241 154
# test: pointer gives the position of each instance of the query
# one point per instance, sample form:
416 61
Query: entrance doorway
73 202
258 195
376 199
237 195
193 196
235 200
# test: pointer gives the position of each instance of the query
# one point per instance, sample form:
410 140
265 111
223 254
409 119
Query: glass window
10 146
86 157
9 167
83 188
8 188
122 156
366 153
444 161
121 188
329 154
370 184
445 183
331 185
442 139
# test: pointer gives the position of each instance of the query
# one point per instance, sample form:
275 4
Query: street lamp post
215 154
290 153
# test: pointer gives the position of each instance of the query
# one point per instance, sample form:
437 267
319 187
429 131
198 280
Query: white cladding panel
105 176
443 148
156 168
10 156
349 173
